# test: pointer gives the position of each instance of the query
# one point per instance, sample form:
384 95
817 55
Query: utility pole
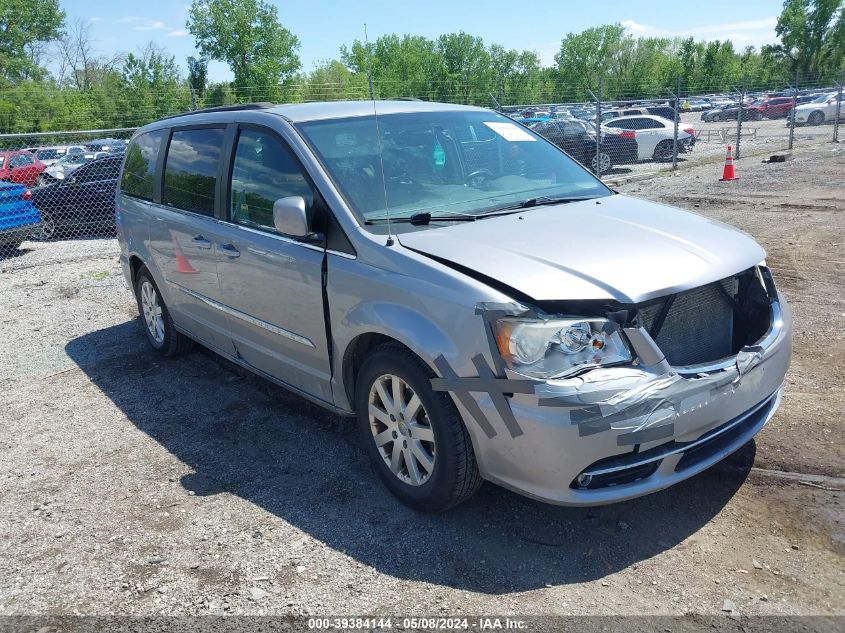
739 117
792 112
676 97
598 128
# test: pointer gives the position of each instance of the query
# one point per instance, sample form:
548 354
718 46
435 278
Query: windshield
820 99
442 163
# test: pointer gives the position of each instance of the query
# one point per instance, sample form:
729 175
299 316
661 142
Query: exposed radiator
698 327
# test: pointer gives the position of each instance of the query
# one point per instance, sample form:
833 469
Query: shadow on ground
243 435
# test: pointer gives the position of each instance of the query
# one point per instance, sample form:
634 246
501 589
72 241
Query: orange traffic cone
728 171
182 263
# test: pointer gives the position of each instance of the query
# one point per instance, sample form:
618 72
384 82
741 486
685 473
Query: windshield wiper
537 202
424 217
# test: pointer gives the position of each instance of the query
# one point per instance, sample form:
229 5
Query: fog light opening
583 480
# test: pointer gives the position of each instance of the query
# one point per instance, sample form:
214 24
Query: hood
618 248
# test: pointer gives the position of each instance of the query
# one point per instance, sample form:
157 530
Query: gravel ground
131 484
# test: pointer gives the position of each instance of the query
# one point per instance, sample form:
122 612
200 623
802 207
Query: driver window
264 171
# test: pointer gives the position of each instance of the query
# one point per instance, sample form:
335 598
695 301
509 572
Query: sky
323 26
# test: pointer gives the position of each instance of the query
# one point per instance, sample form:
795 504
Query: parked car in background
111 145
772 108
481 305
729 112
18 217
819 110
20 167
615 113
695 105
81 202
667 112
66 166
578 139
655 135
49 155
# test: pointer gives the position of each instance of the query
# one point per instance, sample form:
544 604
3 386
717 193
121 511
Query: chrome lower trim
771 400
243 316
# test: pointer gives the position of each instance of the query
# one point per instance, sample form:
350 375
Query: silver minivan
481 305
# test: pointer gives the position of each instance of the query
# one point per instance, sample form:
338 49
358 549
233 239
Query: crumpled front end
613 433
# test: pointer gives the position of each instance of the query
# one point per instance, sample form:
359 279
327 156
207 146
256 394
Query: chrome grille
698 327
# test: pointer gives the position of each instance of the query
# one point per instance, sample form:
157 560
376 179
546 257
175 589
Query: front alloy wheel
413 435
603 162
401 430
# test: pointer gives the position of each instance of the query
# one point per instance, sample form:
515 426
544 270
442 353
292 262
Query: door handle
200 242
229 251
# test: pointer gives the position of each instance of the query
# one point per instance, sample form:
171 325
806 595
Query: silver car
477 303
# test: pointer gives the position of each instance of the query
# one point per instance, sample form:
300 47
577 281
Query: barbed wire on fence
62 183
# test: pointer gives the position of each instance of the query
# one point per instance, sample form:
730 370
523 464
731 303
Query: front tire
663 151
604 161
157 323
414 436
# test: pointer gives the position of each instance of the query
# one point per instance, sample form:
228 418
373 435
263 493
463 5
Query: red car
21 167
772 107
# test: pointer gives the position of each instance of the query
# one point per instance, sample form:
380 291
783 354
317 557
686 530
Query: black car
81 203
578 139
666 112
728 112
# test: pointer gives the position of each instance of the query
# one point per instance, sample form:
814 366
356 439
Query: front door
270 283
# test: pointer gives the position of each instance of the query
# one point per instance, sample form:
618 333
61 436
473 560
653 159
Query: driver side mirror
290 216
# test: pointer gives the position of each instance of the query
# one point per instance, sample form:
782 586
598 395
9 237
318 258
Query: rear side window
20 160
190 171
264 171
140 168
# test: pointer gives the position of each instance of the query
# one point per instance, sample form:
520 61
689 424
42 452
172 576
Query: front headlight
559 347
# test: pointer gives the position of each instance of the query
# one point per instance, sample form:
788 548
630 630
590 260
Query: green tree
466 68
25 25
197 74
247 35
812 34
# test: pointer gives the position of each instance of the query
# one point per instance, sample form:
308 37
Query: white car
816 112
51 155
654 135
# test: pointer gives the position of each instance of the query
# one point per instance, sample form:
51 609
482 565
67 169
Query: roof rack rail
259 105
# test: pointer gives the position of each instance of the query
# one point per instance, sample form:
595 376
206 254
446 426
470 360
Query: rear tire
816 118
48 228
155 318
425 423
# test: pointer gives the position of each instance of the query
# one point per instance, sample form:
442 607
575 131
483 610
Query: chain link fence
62 185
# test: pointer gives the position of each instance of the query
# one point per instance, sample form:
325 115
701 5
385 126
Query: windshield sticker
509 131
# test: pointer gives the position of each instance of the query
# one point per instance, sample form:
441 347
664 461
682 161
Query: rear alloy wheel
47 230
603 162
816 118
414 436
158 326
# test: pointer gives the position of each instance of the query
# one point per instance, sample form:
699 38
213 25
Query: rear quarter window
140 167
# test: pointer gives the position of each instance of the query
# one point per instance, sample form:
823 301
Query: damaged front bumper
615 433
